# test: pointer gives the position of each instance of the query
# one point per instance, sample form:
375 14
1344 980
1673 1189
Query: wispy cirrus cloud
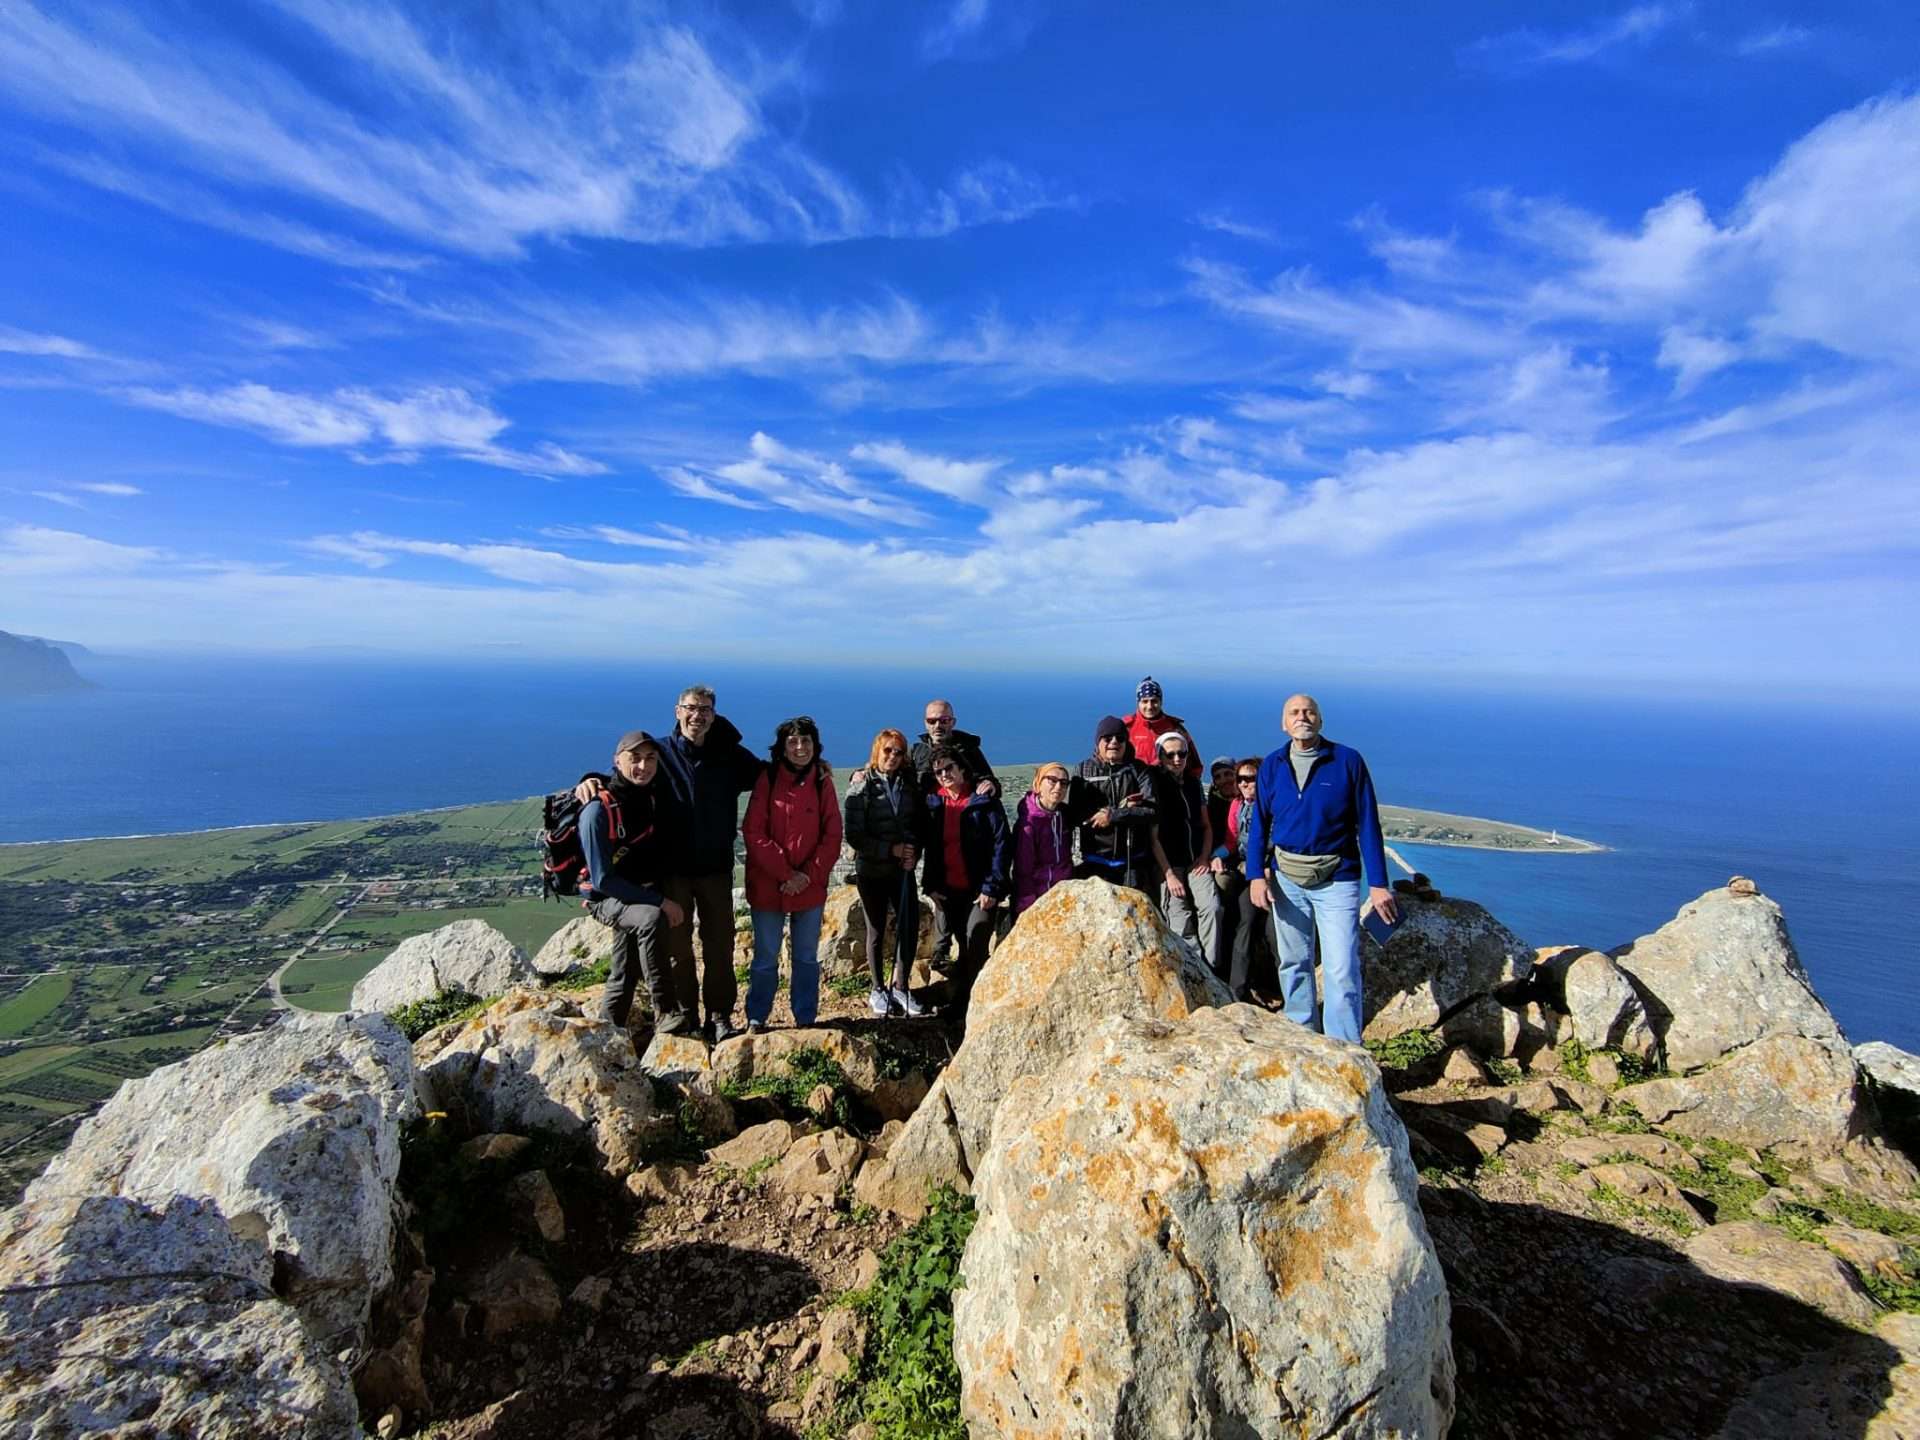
59 347
395 428
613 124
1525 48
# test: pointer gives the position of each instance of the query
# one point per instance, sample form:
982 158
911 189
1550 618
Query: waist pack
1309 872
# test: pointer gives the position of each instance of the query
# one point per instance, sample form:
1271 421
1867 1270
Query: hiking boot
676 1022
909 1006
721 1028
756 1027
879 1002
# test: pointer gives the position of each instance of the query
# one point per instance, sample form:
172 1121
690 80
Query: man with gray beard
1315 830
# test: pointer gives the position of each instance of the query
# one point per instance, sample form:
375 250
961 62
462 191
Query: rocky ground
624 1235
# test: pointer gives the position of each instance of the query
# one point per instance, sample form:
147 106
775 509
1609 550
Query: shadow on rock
592 1371
1557 1316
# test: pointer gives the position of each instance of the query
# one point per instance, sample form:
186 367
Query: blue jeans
769 927
1333 910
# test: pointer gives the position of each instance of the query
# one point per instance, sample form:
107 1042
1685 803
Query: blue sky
1527 344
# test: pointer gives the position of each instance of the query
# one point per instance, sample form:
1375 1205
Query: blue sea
1811 801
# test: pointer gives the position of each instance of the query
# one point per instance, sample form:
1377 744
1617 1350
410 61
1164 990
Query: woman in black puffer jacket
884 815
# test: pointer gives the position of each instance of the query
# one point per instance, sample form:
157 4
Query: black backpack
563 862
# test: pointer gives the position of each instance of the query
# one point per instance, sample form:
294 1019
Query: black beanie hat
1109 725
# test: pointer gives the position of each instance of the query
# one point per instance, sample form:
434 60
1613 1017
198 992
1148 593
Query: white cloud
599 122
1226 224
1775 39
964 480
616 535
1525 48
58 499
1693 356
111 487
35 551
433 418
25 342
1378 327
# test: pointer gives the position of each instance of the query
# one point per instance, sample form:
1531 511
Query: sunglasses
1245 779
892 750
937 720
1173 754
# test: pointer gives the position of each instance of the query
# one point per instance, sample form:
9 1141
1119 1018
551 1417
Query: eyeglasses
1052 780
697 709
1245 779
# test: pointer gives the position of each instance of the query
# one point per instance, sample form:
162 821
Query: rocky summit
1639 1191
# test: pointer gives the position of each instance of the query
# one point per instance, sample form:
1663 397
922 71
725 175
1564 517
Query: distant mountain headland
30 666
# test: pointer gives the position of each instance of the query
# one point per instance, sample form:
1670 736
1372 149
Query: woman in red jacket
793 838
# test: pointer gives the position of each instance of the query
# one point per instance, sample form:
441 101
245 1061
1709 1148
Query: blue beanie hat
1148 686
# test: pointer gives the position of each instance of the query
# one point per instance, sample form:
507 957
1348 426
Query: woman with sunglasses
1252 940
793 837
966 868
1042 839
883 815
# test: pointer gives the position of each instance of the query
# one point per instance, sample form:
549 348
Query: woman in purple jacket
1042 839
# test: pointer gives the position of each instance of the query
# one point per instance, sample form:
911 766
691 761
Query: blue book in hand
1381 930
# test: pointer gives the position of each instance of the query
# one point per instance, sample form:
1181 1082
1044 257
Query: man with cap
1314 830
1111 800
1149 721
624 832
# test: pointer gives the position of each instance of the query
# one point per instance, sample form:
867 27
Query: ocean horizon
1684 795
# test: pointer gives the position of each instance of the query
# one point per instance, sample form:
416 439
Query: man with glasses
1183 846
1315 828
710 770
940 731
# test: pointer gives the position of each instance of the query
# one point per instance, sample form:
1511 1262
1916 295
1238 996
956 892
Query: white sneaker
877 1002
909 1006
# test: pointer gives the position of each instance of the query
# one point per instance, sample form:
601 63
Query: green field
33 1004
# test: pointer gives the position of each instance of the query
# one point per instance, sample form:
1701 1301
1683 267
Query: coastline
1399 822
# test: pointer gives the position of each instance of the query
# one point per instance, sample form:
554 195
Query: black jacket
874 826
709 780
972 760
983 846
1099 786
632 866
1183 817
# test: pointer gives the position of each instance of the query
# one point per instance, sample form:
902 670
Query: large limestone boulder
1445 955
577 945
467 955
1085 951
843 934
1783 1089
1890 1067
185 1335
1603 1009
1723 974
535 1061
292 1133
1201 1228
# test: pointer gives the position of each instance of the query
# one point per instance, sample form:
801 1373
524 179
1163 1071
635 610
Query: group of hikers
1291 836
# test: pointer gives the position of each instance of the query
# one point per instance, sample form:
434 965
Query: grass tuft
908 1383
421 1016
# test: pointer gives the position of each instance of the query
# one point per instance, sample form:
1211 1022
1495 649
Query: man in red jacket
1149 722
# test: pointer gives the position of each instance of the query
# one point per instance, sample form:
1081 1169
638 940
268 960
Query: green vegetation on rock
908 1386
417 1019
